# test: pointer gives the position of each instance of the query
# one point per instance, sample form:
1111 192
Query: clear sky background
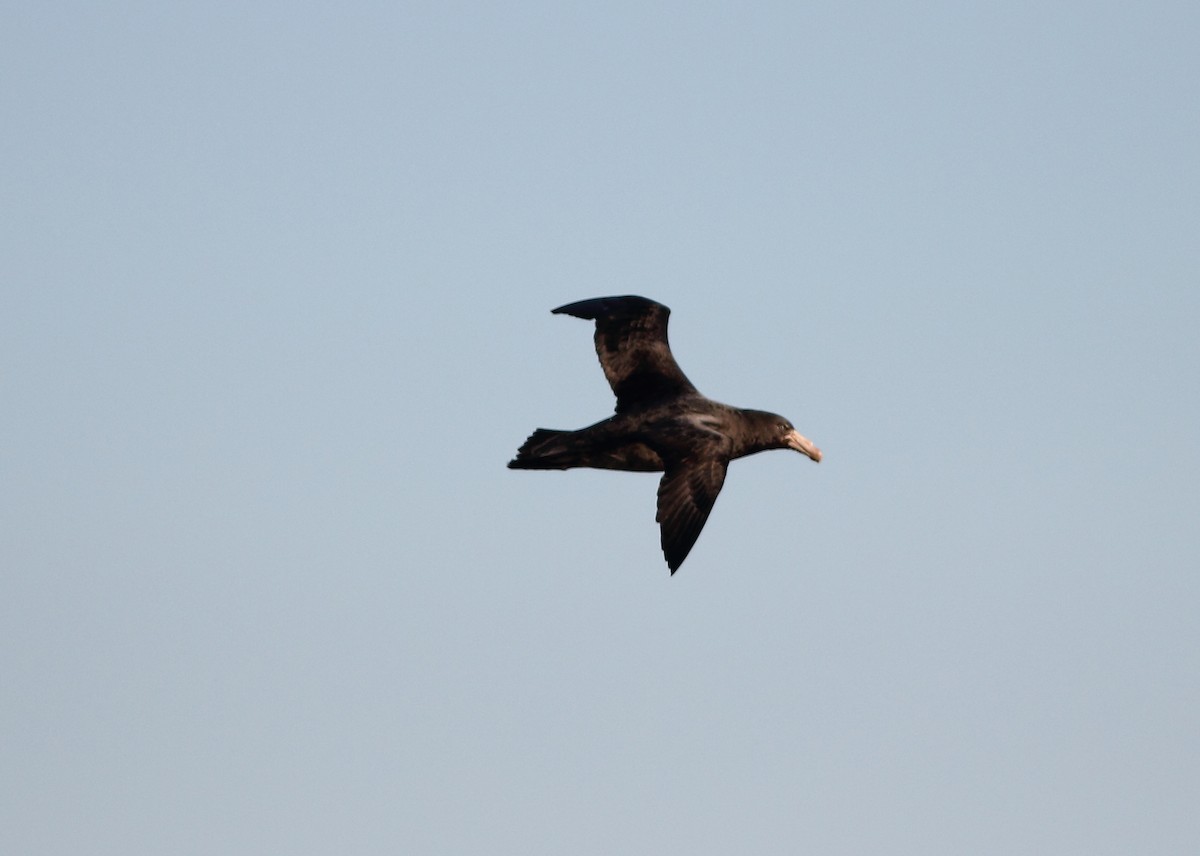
276 286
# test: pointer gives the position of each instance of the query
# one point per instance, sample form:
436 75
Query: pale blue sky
276 292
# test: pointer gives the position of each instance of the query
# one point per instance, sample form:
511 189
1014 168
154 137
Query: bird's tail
549 450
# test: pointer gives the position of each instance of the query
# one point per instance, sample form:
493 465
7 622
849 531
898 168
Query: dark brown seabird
662 424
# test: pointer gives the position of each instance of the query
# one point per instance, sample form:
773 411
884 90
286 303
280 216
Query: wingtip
579 308
595 307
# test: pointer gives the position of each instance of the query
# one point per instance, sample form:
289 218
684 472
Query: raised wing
631 341
685 497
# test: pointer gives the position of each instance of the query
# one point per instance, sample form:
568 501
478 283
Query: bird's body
662 423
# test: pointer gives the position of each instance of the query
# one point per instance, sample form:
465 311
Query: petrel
662 423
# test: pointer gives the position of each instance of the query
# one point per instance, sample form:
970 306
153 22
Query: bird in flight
662 423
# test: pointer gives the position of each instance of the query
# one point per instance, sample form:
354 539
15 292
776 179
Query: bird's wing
631 341
685 497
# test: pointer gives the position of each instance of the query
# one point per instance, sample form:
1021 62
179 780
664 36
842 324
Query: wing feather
685 498
631 342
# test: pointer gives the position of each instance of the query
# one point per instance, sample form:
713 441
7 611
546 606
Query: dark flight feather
631 342
685 498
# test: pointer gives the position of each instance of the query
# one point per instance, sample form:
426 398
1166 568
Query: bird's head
775 432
